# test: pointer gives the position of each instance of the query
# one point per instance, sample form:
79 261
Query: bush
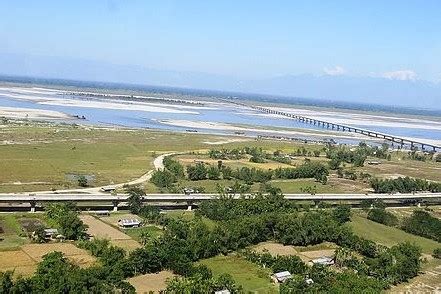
437 253
380 215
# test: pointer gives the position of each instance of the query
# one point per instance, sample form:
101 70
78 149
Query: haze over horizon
383 53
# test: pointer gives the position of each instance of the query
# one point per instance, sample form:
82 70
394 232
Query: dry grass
24 261
106 230
151 282
77 255
429 281
99 229
275 249
128 245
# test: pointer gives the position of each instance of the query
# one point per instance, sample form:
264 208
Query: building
107 189
281 276
188 191
373 162
102 213
324 260
129 223
50 233
226 291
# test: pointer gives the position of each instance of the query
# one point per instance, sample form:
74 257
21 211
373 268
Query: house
226 291
324 260
102 213
107 189
129 223
281 277
188 191
50 233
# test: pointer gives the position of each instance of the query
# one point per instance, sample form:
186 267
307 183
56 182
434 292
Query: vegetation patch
248 275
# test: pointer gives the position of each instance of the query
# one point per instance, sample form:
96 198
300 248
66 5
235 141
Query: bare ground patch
107 230
75 254
275 249
151 282
100 229
24 261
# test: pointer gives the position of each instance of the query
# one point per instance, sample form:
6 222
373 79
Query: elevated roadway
33 199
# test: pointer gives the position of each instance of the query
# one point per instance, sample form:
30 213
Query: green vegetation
404 185
65 216
380 215
421 223
389 236
250 276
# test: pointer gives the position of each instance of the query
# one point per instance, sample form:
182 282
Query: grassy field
43 156
389 236
248 275
11 232
189 215
135 233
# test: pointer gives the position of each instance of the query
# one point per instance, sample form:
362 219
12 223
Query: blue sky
253 39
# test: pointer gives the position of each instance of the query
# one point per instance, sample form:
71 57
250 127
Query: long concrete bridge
13 200
345 128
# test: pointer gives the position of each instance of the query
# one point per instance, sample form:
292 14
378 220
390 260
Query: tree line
404 185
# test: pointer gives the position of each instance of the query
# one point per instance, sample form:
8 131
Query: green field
135 233
45 156
389 236
251 277
13 235
189 215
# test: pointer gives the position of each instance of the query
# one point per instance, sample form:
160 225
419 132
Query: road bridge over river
15 200
400 141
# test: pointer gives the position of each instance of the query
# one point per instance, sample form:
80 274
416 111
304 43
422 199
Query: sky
244 39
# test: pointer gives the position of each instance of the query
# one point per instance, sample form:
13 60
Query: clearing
151 282
250 276
389 236
102 230
24 260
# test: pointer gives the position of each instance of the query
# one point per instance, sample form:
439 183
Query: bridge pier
115 205
33 205
190 205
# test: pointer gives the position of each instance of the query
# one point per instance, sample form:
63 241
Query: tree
82 181
342 213
197 172
437 253
163 178
213 173
380 215
71 227
135 199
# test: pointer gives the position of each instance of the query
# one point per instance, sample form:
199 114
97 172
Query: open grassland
401 167
41 156
44 156
189 215
250 276
389 236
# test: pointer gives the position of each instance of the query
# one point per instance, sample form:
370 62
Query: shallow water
225 113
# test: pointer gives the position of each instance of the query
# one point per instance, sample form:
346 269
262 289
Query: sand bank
30 113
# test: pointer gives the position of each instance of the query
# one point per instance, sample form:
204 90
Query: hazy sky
394 39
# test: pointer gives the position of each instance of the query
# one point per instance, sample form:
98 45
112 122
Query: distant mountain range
368 90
